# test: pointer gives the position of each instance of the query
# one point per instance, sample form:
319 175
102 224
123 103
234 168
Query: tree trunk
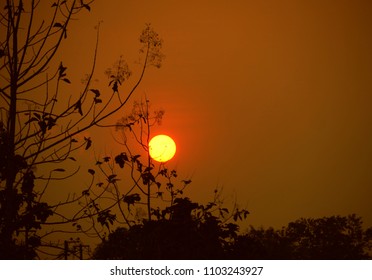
10 208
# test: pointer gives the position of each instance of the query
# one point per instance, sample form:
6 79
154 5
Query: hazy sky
270 100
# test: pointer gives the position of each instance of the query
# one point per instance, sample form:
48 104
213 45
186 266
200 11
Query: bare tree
40 119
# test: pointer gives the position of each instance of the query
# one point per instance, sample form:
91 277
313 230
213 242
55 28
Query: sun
162 148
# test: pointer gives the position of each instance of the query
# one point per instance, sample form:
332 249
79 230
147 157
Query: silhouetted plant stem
148 162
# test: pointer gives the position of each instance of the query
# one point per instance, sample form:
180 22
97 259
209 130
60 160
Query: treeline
188 230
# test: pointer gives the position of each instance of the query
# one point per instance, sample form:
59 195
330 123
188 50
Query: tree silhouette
185 230
202 235
325 238
41 118
129 186
261 244
164 200
332 237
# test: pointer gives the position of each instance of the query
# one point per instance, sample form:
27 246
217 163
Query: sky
268 100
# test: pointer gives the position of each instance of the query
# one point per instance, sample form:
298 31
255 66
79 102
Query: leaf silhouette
112 178
97 100
135 157
61 70
85 192
57 24
89 143
78 107
59 170
86 6
96 92
131 199
121 159
106 159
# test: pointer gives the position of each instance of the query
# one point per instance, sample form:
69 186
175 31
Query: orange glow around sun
162 148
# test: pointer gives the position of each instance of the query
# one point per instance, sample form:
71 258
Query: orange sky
270 100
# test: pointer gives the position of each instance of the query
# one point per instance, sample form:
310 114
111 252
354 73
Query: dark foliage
328 238
184 234
185 231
